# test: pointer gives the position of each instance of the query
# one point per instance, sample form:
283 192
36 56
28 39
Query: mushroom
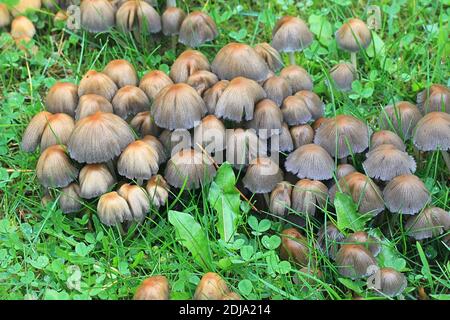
364 192
262 175
243 146
270 56
237 102
95 180
343 170
197 28
342 136
363 238
33 133
291 34
386 137
189 166
312 102
97 15
171 19
176 140
329 238
352 36
178 106
97 83
430 223
62 98
406 194
153 142
187 64
121 72
22 27
152 83
267 119
301 135
277 89
402 117
210 135
392 283
89 104
386 162
129 101
112 209
137 199
69 201
211 287
355 261
295 111
280 199
158 191
310 161
153 288
231 296
202 80
57 131
239 60
138 161
139 17
308 195
343 75
144 124
434 98
316 124
286 144
99 138
5 18
54 168
212 95
297 77
294 246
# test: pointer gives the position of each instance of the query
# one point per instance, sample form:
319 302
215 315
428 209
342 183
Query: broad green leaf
376 47
425 266
321 27
388 256
191 235
245 286
348 216
353 285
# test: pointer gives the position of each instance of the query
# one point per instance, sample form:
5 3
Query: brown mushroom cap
25 6
291 34
211 287
33 133
144 124
297 77
294 246
121 72
212 95
196 29
54 168
138 161
186 64
432 132
202 80
95 180
239 60
237 102
99 138
154 142
130 100
343 135
210 134
158 191
301 135
153 288
401 117
270 56
136 15
97 83
178 106
435 98
137 199
310 161
69 201
267 119
171 21
57 131
62 98
231 296
316 124
243 146
286 144
262 175
392 282
363 238
312 102
295 111
308 195
386 162
22 27
280 199
97 15
329 239
353 35
406 194
344 169
89 104
277 89
5 18
153 81
343 75
113 209
386 137
354 261
176 140
430 223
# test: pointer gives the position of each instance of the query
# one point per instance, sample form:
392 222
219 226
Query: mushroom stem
266 198
353 58
446 157
292 58
174 44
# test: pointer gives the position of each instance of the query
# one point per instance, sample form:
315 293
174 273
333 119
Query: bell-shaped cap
22 27
286 144
197 28
291 34
152 83
267 119
211 287
62 98
153 288
138 16
97 15
295 111
176 140
156 145
138 161
158 191
187 64
343 170
129 101
212 95
69 201
301 135
308 196
95 180
297 77
277 89
392 283
90 104
310 161
371 243
329 239
262 175
313 103
355 261
434 98
280 199
430 223
112 209
343 75
243 146
54 168
97 83
401 117
316 124
270 55
202 80
386 137
294 247
33 133
121 72
57 131
171 19
432 132
210 134
353 35
144 124
137 199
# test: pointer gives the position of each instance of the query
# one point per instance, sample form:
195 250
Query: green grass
43 251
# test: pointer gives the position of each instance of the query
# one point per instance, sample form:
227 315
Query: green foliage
348 217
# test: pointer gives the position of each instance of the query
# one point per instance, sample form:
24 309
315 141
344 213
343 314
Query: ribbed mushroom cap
312 102
137 199
158 191
401 117
97 15
295 111
97 83
363 238
301 135
432 132
316 124
211 287
294 246
343 74
344 169
277 89
152 83
310 161
22 27
262 175
153 142
57 131
280 199
95 180
62 98
121 72
139 16
99 138
435 98
130 100
176 140
212 95
364 192
392 282
138 161
89 104
33 133
343 135
186 64
239 60
113 209
144 124
267 119
354 261
386 137
243 146
196 29
353 35
153 288
270 55
386 162
406 194
189 165
308 195
171 21
286 144
329 238
202 80
231 296
25 6
430 223
153 3
238 100
291 34
54 168
178 106
297 77
5 18
210 134
69 201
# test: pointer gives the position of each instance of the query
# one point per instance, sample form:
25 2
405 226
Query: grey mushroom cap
313 103
54 168
432 132
97 83
401 117
210 134
113 209
243 146
136 15
212 95
58 130
295 111
153 81
291 34
196 29
371 243
270 55
310 161
129 101
343 75
121 72
308 196
139 160
171 19
429 223
280 199
187 63
144 124
262 175
277 89
353 35
97 15
157 146
137 199
392 282
301 135
62 98
386 137
33 133
89 104
354 261
267 119
285 142
434 98
202 80
158 191
95 180
69 201
297 77
343 170
329 239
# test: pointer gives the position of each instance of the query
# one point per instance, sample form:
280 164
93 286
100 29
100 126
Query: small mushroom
25 6
171 19
95 180
280 199
89 104
176 140
295 111
137 199
112 209
210 134
267 119
158 191
286 144
22 27
434 98
69 201
386 137
430 223
294 246
121 72
310 161
329 238
54 168
312 102
202 80
129 101
297 77
211 287
138 161
301 135
33 133
57 131
154 142
5 18
343 170
308 195
363 238
262 175
97 15
277 89
187 63
243 146
354 261
62 98
153 288
152 83
270 56
139 17
197 28
144 124
231 296
97 83
402 117
212 95
392 283
343 75
316 124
